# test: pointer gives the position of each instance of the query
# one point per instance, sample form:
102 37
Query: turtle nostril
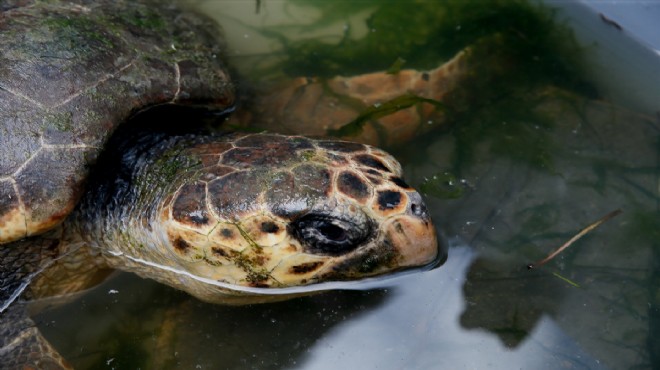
418 210
417 207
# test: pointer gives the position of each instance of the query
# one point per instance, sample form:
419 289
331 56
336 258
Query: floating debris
574 239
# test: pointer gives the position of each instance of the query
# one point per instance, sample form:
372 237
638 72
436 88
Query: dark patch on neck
137 142
220 252
181 245
305 267
269 227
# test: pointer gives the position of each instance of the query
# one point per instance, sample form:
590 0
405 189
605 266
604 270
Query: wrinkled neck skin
117 217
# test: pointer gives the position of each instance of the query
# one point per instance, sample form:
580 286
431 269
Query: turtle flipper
21 261
31 269
21 344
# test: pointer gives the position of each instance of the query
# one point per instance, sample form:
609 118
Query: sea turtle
226 217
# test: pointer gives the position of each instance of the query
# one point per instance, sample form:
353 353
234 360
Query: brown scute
299 143
190 205
209 160
181 245
371 161
312 180
269 227
245 158
341 146
292 143
234 194
352 185
219 171
305 267
388 199
400 183
211 149
336 159
260 141
264 150
281 196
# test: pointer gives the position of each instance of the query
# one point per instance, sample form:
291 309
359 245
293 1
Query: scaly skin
23 347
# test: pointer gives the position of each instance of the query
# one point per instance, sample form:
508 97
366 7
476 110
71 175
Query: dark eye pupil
332 232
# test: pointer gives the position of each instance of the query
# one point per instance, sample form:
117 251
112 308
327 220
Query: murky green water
515 176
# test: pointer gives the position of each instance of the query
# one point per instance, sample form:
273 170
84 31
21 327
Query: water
519 193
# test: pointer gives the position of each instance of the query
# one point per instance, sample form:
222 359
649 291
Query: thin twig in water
574 239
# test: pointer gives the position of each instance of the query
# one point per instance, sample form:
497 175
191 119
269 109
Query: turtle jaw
414 239
413 234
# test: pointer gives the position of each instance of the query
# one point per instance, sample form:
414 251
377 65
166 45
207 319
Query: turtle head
279 211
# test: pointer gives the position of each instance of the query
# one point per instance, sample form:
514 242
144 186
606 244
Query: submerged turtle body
217 215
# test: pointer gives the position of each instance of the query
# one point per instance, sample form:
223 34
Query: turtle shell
70 73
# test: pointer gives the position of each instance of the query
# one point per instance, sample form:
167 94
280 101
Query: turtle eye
328 235
332 232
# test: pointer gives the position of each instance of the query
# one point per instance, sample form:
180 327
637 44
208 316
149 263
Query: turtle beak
414 238
405 240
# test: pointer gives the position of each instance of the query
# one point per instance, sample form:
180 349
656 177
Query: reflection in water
654 308
414 324
516 214
508 301
596 169
133 323
418 328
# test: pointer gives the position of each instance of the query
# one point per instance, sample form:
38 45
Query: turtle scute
70 73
